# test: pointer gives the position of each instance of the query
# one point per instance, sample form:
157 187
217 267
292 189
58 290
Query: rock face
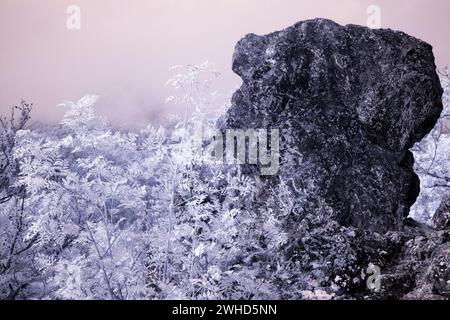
352 102
441 219
349 102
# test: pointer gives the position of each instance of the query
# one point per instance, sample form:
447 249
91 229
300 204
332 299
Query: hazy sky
125 48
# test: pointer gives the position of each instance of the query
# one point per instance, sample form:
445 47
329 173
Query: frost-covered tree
89 212
87 205
9 126
216 242
15 246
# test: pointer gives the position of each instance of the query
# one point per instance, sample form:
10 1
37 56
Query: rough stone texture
349 102
427 259
441 219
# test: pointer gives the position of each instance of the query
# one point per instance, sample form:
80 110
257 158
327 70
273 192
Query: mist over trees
88 212
92 213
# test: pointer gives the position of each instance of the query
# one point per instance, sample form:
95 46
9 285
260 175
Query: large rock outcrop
349 102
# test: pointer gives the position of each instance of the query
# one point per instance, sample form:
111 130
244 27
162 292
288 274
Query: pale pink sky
125 48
